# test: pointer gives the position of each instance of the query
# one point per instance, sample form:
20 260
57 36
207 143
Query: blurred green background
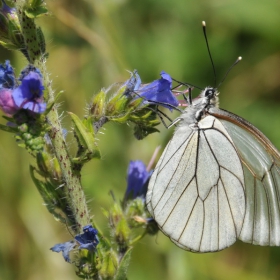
91 45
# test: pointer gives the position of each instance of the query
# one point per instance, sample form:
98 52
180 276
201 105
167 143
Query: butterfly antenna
185 84
208 48
237 60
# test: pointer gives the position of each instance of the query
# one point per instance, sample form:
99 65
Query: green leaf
47 191
33 13
85 136
8 128
122 271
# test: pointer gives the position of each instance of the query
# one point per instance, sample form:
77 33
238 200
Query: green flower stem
76 201
135 240
73 189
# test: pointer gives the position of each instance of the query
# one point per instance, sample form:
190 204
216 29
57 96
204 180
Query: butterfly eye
209 92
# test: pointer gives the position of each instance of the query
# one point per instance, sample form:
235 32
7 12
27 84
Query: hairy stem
72 178
76 209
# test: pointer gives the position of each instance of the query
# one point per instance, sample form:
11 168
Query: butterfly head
209 97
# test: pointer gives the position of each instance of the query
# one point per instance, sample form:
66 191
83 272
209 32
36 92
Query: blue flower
137 180
29 95
7 75
65 248
88 240
160 92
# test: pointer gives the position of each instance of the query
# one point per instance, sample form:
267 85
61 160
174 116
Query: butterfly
218 180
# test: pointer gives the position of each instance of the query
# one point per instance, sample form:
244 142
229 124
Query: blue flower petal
89 239
160 92
29 95
137 180
65 248
35 107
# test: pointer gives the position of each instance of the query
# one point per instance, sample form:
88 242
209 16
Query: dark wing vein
182 158
268 207
229 206
177 202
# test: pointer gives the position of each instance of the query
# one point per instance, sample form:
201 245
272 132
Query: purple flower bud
7 76
133 83
160 92
7 103
29 95
137 180
88 240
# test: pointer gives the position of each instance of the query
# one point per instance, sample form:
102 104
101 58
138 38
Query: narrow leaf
85 137
122 271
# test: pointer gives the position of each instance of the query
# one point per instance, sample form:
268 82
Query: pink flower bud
7 103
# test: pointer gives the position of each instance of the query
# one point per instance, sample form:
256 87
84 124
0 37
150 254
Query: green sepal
121 118
97 105
85 135
135 207
148 114
123 266
8 128
36 12
109 265
88 263
103 241
9 119
49 167
116 105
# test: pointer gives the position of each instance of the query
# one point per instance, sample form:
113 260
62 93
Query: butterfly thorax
196 111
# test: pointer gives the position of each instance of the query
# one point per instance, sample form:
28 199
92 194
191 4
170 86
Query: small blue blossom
160 92
7 75
137 180
29 95
88 240
65 248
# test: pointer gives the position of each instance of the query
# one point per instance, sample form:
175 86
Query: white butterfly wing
261 165
196 193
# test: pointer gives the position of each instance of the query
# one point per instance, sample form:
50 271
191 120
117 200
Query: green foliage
85 136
